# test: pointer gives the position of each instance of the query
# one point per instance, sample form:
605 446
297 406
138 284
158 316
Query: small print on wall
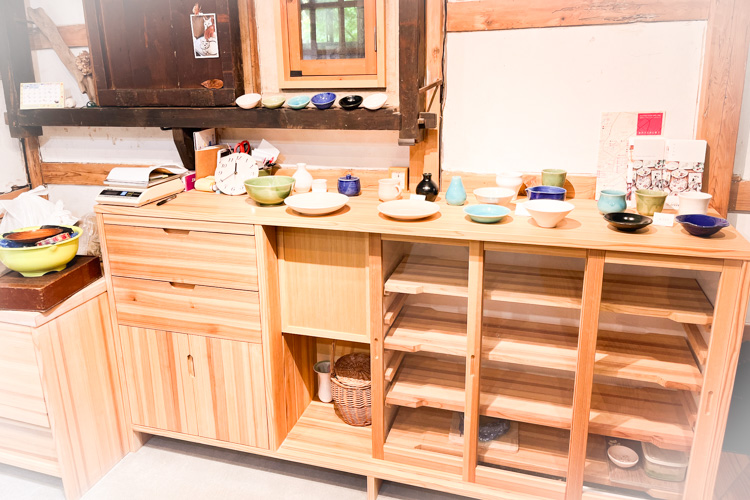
205 40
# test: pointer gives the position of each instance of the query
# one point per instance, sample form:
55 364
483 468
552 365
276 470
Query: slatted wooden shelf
678 299
642 414
664 360
423 435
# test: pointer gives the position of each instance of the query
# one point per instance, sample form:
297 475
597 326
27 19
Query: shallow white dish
548 213
316 203
374 101
494 196
622 456
408 209
248 101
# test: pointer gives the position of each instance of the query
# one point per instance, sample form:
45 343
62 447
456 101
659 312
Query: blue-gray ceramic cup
349 185
611 201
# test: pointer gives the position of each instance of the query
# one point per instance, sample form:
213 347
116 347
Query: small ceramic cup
511 180
694 202
319 186
389 189
648 201
349 185
611 201
553 177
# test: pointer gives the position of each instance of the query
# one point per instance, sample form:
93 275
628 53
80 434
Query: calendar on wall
42 95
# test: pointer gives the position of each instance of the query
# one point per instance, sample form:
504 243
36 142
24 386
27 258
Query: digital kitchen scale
135 197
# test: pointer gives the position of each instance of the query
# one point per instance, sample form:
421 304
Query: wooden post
183 141
249 32
587 332
718 379
475 313
411 67
373 487
33 160
721 94
375 316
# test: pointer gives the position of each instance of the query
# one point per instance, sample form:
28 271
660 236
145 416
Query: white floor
166 469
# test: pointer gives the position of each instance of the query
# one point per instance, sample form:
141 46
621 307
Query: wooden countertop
584 228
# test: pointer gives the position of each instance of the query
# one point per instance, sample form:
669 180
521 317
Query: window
334 43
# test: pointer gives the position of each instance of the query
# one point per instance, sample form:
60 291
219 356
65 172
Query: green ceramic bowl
648 201
273 102
37 261
269 190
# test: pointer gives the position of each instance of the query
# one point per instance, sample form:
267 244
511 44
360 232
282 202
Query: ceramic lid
660 456
349 178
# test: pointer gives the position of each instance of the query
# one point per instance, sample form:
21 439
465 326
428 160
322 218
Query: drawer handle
191 365
187 286
169 230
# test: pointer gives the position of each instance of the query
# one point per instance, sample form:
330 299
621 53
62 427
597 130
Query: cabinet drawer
182 256
21 394
203 310
28 446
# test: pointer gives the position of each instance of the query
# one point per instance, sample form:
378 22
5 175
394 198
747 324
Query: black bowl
627 222
350 102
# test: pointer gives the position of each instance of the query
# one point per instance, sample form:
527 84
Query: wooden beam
33 161
15 64
214 117
593 279
411 68
83 174
377 333
721 94
74 35
183 141
484 15
249 32
10 195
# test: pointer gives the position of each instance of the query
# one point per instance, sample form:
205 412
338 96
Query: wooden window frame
371 70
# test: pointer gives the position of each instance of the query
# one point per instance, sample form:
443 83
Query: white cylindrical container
323 369
694 202
302 179
319 186
510 180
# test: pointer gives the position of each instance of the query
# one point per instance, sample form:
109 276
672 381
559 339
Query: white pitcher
323 369
389 189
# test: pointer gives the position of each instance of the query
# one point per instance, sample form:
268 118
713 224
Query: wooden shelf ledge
221 117
678 299
664 360
420 435
658 416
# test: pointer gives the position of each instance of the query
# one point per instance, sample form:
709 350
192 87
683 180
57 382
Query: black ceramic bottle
427 187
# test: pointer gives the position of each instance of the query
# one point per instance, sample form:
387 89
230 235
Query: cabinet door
158 367
229 391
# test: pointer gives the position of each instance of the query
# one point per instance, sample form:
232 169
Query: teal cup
611 201
553 177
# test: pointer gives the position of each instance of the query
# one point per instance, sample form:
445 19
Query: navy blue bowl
323 100
701 225
546 193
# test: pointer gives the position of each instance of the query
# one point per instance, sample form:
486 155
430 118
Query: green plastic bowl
269 190
37 261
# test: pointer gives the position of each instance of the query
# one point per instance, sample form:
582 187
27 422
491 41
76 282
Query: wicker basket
351 392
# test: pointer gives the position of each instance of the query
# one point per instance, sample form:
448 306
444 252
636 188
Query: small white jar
694 202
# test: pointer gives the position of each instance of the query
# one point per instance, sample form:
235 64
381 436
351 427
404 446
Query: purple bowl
701 225
546 193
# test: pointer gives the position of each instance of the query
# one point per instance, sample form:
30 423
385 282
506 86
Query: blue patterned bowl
546 193
323 100
701 225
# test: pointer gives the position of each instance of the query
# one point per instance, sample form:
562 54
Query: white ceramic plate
248 101
408 209
316 203
374 101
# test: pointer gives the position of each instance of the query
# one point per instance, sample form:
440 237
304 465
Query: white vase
302 179
323 369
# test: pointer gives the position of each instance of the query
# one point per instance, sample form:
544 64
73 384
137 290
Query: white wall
12 168
533 98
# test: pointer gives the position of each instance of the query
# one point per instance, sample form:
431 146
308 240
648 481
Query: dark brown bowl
33 236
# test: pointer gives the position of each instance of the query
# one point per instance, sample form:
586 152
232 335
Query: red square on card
650 123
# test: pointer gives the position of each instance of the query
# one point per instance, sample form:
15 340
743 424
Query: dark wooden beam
15 63
183 141
484 15
411 67
200 118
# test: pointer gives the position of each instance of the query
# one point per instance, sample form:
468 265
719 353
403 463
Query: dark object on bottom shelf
737 437
427 187
627 222
42 293
489 427
350 102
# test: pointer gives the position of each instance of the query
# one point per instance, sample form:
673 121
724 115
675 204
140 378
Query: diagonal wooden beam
486 15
